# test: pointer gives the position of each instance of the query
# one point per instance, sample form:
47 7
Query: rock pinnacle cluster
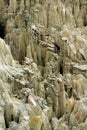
43 64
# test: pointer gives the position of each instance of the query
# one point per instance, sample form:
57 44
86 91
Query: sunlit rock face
5 54
43 65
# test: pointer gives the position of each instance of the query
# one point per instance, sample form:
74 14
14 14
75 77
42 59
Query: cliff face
43 65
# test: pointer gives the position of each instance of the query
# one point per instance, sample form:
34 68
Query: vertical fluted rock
29 54
75 90
48 10
70 103
2 119
44 31
13 5
23 43
22 5
54 97
10 111
21 48
2 9
10 114
40 91
62 99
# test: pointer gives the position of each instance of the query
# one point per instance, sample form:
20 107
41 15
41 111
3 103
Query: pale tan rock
70 103
5 54
29 53
15 126
49 92
48 112
63 127
13 5
80 82
54 123
61 99
79 113
58 124
35 123
10 112
22 5
2 120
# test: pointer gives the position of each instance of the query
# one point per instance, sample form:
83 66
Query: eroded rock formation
43 65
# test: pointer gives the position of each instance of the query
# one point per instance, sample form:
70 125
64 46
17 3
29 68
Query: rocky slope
43 65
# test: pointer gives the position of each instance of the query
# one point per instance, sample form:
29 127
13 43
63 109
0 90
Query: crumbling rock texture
43 64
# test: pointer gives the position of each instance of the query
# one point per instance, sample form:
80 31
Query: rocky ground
43 65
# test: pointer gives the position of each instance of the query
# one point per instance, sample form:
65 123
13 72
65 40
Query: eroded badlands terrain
43 65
